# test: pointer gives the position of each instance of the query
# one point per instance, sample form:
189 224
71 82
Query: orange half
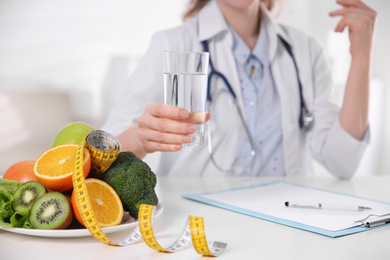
54 168
106 204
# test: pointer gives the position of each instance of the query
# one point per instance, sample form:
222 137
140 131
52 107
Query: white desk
247 237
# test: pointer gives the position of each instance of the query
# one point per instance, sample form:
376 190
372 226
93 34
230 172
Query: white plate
127 222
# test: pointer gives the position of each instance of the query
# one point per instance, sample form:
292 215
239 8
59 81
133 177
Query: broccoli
133 180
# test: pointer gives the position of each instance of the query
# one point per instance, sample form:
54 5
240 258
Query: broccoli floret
133 180
150 198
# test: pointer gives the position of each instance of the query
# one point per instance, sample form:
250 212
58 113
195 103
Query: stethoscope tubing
306 118
212 73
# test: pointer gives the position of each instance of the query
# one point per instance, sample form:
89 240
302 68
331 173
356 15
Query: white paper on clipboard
270 201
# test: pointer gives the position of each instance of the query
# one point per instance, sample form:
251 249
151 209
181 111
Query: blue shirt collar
242 53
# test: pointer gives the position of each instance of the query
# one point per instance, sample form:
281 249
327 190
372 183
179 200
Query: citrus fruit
54 168
21 171
73 133
106 204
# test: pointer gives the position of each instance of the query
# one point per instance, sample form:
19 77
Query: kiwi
26 195
51 211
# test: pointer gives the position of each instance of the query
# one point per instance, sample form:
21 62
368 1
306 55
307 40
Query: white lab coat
327 142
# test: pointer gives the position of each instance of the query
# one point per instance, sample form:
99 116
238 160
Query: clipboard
266 202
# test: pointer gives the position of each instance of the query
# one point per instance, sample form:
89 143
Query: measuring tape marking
198 236
145 224
193 230
82 199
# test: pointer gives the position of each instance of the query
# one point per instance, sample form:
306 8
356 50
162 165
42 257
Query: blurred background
67 60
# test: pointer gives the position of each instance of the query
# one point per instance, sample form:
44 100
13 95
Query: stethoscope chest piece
306 119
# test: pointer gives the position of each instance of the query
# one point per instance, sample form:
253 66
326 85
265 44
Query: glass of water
185 86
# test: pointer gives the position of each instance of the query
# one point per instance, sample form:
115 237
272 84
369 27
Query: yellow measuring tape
104 150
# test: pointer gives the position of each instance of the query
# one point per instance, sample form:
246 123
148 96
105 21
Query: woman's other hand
360 19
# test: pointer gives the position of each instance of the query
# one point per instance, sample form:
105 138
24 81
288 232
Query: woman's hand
360 20
160 128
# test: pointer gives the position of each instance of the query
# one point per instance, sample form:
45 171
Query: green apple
73 133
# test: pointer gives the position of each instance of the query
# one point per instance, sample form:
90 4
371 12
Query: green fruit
26 195
73 133
51 211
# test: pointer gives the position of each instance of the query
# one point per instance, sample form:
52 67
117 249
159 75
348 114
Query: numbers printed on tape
104 149
198 236
82 199
194 225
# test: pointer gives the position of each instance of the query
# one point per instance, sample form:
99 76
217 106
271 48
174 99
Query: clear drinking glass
185 86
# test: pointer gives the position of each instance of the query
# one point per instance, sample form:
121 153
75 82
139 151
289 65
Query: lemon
73 133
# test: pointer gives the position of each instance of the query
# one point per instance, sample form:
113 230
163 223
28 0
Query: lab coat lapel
227 66
213 28
287 86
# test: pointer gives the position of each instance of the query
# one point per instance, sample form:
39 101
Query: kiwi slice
51 211
26 195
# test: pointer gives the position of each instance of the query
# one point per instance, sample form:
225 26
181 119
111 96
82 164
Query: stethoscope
305 120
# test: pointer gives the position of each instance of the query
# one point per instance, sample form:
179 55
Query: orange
106 204
54 168
21 171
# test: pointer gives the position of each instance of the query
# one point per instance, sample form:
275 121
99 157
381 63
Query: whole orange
21 171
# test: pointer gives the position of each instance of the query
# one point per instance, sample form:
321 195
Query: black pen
319 205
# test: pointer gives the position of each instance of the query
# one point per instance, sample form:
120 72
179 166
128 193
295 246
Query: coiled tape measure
104 150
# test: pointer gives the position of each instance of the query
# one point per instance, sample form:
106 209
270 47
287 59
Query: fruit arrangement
39 194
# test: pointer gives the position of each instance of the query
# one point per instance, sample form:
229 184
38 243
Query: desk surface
247 237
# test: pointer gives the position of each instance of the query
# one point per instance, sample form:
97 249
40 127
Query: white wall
88 47
73 44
